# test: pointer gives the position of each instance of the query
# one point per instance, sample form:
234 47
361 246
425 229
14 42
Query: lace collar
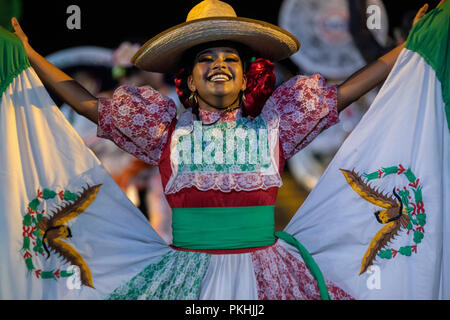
186 120
212 116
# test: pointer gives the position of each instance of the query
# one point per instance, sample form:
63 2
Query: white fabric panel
405 125
230 277
444 179
39 149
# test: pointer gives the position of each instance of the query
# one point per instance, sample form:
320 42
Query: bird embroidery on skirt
55 230
392 217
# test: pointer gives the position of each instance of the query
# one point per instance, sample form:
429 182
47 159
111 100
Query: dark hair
259 87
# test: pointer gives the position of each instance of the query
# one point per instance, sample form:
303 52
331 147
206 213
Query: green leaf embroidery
418 236
69 196
48 194
406 251
385 254
34 204
422 219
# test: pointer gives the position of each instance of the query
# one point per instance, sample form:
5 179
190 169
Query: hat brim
163 52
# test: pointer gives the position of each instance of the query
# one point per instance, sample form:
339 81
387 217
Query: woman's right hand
20 34
62 84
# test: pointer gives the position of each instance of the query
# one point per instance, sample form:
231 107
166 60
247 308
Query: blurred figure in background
336 42
365 40
401 32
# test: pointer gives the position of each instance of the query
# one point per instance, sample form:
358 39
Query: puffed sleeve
304 106
137 120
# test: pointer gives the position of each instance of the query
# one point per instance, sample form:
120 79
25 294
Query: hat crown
211 8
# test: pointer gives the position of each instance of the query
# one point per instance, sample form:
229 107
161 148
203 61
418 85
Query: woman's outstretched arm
373 74
69 90
367 78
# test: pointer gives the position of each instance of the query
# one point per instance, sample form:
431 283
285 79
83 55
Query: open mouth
221 77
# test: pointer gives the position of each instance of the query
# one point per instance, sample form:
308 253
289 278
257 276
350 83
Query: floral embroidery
209 117
244 168
305 107
137 120
280 276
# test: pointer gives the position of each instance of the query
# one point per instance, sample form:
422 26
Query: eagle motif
392 217
55 231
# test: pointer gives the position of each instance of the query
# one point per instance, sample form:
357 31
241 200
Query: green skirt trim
13 58
178 276
430 39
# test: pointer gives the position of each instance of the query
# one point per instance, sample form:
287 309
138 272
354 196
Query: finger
424 9
442 1
16 25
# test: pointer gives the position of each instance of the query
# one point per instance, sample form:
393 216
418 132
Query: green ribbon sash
309 261
235 228
223 228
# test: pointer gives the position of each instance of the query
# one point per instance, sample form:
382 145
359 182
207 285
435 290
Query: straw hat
213 20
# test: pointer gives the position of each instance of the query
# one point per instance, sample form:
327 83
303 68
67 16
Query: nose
219 63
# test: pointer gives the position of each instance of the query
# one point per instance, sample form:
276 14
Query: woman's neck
217 106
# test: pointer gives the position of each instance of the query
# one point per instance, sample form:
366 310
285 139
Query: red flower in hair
181 87
260 85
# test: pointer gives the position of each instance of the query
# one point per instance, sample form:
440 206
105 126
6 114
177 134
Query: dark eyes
211 59
205 59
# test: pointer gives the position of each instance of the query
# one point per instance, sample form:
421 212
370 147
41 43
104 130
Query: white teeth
219 77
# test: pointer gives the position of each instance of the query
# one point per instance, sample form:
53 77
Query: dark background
108 23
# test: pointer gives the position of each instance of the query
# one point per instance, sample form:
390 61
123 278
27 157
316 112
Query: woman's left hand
374 74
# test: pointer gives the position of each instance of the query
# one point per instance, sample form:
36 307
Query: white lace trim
234 179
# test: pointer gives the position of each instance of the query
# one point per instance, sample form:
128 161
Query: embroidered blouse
196 173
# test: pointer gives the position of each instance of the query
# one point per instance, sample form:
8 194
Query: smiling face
218 77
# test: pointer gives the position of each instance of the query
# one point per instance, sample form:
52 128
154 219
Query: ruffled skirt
275 272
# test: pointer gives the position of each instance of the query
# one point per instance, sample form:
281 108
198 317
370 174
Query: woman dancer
221 161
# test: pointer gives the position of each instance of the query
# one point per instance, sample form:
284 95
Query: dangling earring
243 99
193 99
